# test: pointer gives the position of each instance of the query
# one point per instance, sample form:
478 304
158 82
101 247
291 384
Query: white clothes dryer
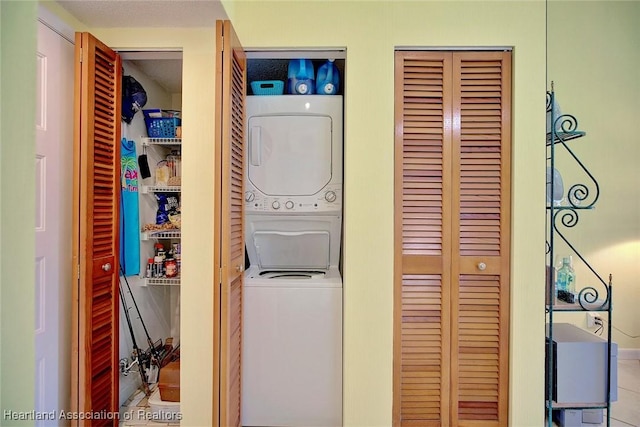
294 154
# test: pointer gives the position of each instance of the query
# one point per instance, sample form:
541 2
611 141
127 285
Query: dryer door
289 155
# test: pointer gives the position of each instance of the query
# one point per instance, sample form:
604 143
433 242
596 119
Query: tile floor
137 412
625 412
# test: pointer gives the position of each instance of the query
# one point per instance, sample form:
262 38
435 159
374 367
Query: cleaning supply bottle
328 80
301 77
566 281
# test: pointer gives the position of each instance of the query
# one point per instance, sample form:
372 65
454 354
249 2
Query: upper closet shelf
145 189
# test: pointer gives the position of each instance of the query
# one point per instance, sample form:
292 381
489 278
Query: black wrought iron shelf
566 306
597 296
559 137
585 405
560 208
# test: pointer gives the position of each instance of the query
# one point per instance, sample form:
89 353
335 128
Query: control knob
289 204
275 204
330 196
249 196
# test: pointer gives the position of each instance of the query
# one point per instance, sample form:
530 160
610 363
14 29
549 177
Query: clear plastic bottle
158 266
566 281
149 268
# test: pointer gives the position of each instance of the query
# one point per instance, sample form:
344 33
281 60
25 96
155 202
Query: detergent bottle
328 80
301 79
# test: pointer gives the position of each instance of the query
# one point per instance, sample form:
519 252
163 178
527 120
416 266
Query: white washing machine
292 322
292 349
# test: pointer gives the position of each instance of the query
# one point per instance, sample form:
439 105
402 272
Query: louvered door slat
452 162
96 210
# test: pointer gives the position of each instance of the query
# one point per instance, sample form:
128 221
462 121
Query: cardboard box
169 383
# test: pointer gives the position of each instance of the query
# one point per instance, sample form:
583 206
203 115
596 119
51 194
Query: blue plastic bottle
328 80
301 77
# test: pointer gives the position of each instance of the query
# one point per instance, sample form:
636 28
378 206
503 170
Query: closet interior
150 252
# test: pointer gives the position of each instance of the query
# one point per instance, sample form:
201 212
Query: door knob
482 266
106 267
239 268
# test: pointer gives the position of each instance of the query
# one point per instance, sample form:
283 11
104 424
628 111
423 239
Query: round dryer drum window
290 155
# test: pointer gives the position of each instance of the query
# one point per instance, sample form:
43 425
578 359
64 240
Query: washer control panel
327 200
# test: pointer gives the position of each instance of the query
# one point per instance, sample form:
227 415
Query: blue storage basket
161 127
267 87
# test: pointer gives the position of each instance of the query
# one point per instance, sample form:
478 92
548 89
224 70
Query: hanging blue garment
129 210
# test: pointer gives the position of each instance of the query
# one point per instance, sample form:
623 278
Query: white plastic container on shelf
163 411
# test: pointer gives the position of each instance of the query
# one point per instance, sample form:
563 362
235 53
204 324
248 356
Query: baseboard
629 354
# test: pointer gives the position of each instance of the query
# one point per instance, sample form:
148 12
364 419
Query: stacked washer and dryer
292 332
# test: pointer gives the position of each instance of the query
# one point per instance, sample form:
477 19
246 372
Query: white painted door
54 150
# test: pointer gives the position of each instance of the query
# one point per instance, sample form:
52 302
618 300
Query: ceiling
163 67
145 13
166 72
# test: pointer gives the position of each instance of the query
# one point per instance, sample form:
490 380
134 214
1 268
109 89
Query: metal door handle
482 266
106 267
239 268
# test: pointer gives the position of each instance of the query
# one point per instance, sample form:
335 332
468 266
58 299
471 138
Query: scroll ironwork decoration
588 297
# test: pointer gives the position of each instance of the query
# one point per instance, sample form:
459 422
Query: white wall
593 59
370 31
18 43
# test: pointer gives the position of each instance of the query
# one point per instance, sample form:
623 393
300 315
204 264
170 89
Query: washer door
292 250
289 155
293 242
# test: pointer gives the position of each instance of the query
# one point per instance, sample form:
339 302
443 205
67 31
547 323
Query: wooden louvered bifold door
452 204
96 195
229 228
423 251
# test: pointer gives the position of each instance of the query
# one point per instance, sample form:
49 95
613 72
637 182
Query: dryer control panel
327 200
